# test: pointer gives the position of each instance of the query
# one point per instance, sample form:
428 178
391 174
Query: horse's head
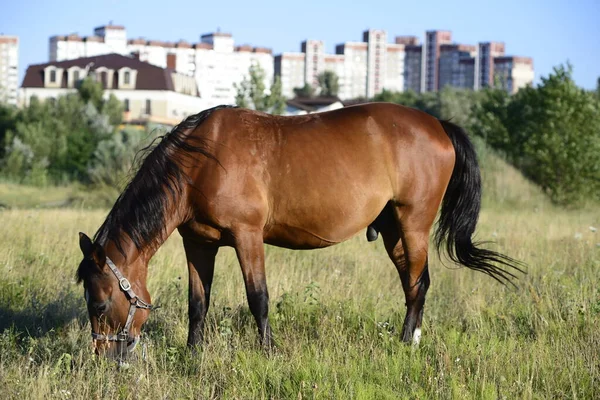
118 302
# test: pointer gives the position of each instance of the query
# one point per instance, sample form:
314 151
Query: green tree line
75 137
550 132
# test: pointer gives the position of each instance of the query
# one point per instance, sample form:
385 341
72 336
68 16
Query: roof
149 77
515 59
312 103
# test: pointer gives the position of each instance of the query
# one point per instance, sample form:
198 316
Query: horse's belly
295 238
322 225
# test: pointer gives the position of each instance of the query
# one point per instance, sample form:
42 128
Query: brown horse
233 177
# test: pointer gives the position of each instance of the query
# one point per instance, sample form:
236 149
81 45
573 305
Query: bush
552 133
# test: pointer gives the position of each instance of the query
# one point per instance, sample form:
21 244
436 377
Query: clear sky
550 31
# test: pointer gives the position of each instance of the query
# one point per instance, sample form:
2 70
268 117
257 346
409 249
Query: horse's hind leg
406 239
250 251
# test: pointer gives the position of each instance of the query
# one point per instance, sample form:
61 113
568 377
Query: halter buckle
124 283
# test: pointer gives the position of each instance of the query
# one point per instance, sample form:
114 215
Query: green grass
13 196
336 314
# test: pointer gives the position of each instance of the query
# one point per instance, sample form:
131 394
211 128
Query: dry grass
336 314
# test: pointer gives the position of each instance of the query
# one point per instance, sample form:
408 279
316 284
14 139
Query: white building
355 69
9 69
290 68
513 73
363 69
215 62
149 93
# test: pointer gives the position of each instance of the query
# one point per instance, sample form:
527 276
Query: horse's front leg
250 251
201 267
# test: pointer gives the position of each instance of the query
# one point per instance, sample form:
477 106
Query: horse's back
315 180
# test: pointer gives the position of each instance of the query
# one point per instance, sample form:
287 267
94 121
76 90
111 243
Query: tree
408 98
113 159
328 83
551 132
8 120
54 140
457 104
91 91
251 92
304 91
276 101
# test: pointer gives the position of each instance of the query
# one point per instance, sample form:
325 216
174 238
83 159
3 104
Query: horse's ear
92 251
86 245
99 256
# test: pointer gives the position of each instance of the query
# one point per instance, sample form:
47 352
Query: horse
229 176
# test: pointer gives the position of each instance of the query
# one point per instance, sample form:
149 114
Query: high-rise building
355 56
363 69
466 74
215 62
412 67
314 61
290 68
449 63
376 60
512 73
484 63
431 56
9 69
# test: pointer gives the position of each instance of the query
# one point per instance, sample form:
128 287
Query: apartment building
449 63
484 63
412 67
512 73
364 68
430 66
9 69
215 61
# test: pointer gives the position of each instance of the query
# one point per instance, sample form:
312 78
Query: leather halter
134 303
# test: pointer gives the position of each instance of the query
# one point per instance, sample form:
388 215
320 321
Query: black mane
139 212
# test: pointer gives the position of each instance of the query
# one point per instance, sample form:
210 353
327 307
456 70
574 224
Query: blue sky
552 31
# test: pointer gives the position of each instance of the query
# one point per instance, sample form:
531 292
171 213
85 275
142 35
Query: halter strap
134 303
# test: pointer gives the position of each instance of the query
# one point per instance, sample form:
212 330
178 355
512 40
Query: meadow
336 314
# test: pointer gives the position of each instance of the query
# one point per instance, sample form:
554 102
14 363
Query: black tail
460 212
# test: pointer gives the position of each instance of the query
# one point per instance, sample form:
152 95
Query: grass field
336 313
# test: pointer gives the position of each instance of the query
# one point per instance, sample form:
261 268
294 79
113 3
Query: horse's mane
139 211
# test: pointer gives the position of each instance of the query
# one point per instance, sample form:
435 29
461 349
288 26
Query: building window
126 105
52 76
148 107
127 78
75 76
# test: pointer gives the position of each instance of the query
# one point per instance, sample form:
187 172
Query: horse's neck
131 255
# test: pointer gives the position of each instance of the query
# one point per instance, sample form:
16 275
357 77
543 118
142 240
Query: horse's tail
460 212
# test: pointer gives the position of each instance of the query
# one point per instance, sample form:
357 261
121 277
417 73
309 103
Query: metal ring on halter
125 284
